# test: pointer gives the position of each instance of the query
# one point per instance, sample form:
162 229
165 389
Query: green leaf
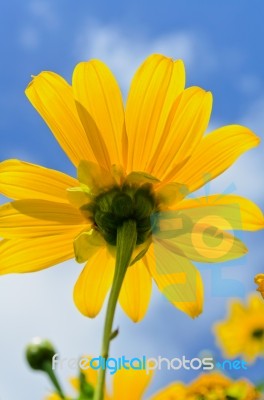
86 389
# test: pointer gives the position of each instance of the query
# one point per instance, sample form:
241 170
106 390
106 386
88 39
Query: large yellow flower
136 164
242 333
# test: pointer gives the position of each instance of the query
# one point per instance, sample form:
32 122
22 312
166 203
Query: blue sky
221 44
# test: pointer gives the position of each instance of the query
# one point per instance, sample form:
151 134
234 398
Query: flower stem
126 242
47 367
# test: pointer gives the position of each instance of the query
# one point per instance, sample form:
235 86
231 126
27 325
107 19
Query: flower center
111 208
258 333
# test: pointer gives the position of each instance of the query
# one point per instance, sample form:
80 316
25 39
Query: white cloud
41 18
29 38
124 53
254 117
44 12
250 84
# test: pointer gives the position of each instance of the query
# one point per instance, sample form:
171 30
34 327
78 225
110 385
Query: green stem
126 242
47 367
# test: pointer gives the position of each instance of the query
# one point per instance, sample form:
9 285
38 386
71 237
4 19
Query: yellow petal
99 103
79 197
33 218
87 244
22 180
216 152
75 383
186 124
130 384
175 391
53 98
205 244
177 278
170 194
136 291
35 254
53 396
156 85
140 178
94 177
93 283
224 211
198 238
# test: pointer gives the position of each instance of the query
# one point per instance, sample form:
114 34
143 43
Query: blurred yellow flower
134 165
54 396
259 280
213 386
242 333
127 384
174 391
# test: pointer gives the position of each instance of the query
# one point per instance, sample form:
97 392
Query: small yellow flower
242 333
139 164
259 280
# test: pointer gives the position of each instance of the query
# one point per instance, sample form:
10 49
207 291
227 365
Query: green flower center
111 208
258 333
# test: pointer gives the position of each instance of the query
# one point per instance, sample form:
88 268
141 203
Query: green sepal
139 256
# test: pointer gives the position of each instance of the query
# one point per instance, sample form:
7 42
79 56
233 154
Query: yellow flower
135 164
213 386
242 333
259 280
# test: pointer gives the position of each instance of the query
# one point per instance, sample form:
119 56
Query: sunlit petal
136 291
216 152
155 86
22 180
53 98
94 282
36 218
